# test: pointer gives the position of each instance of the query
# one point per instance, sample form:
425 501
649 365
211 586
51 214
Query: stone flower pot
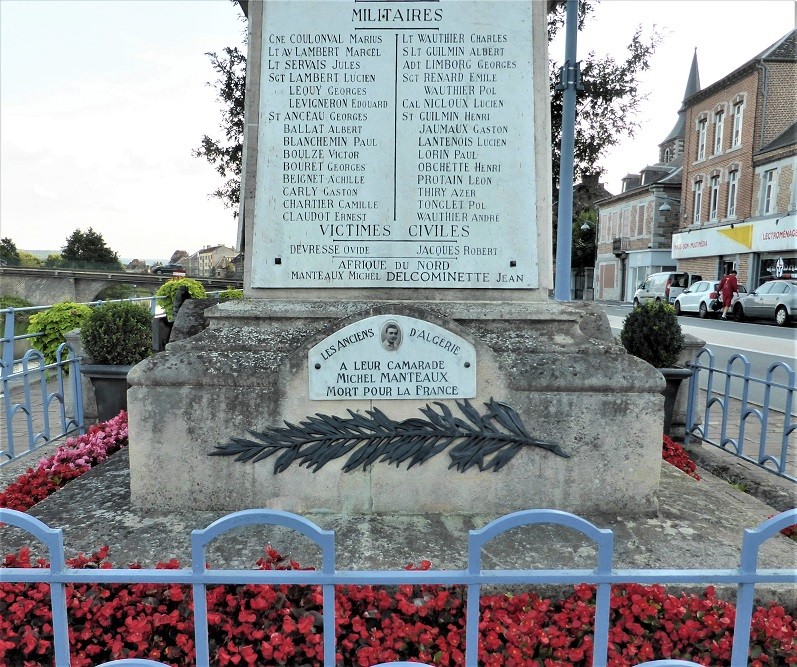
110 388
673 378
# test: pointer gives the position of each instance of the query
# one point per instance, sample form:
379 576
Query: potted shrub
651 332
115 337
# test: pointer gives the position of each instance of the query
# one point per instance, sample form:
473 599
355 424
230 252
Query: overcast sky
726 34
101 103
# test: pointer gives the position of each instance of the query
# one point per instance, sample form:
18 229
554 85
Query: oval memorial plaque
392 357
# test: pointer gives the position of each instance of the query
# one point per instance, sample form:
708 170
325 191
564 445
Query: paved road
763 346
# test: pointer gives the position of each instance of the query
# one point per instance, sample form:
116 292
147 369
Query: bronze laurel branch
488 441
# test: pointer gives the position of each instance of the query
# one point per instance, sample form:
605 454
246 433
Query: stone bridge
43 287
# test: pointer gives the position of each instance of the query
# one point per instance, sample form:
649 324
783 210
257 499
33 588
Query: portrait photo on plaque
391 336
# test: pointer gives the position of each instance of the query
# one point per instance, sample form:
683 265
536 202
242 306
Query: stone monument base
555 365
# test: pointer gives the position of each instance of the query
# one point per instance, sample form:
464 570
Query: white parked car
701 298
664 286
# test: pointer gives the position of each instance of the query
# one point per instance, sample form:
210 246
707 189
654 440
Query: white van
664 286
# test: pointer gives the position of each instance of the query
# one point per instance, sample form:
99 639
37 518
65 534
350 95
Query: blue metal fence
39 387
199 577
774 443
41 402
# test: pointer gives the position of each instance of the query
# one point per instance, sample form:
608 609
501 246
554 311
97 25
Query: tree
8 252
53 260
88 250
605 109
227 155
584 239
29 260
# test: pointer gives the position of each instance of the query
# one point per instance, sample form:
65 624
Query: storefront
768 245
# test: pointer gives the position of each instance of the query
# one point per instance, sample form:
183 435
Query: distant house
238 264
740 163
635 227
211 261
724 193
178 257
137 266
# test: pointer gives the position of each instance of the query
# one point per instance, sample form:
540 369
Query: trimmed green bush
53 324
118 333
652 333
169 289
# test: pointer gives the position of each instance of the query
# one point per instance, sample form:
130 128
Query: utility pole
569 82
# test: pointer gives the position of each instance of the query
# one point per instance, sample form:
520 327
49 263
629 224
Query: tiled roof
788 138
784 50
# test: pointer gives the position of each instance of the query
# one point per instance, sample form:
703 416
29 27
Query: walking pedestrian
727 288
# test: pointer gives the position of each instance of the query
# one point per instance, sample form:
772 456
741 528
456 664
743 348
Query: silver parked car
774 300
701 298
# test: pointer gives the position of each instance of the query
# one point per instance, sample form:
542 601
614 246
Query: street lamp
588 292
665 207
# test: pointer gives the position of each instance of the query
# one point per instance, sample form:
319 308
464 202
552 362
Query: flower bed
282 625
71 460
676 455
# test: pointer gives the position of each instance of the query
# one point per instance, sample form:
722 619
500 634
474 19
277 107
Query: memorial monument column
396 222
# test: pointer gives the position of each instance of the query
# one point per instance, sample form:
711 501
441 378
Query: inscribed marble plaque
396 146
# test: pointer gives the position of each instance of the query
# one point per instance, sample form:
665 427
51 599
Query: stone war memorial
396 351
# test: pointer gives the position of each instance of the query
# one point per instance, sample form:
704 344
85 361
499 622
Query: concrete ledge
777 492
242 311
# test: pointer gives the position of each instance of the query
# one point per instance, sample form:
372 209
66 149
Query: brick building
635 228
739 189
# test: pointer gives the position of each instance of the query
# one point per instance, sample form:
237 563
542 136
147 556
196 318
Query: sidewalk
37 426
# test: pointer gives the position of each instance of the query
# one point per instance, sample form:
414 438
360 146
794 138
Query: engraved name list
396 147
